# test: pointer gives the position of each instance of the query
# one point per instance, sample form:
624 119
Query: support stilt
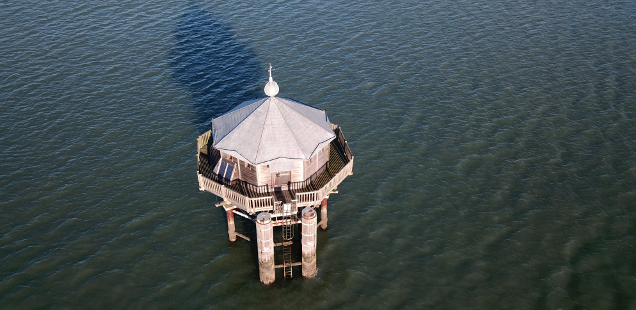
308 242
265 244
231 230
323 214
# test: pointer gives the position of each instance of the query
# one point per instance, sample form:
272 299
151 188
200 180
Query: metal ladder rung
288 235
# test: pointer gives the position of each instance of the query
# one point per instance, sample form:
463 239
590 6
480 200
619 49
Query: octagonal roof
273 130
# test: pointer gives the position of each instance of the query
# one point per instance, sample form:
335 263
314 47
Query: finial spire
271 88
270 72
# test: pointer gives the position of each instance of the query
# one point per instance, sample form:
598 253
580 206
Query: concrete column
323 214
308 242
231 231
265 243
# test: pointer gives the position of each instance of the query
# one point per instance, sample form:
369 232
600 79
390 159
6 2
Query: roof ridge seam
311 107
241 122
258 148
328 140
290 130
330 131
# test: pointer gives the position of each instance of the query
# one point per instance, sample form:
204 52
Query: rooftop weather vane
271 88
270 71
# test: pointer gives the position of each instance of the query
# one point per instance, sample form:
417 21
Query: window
225 172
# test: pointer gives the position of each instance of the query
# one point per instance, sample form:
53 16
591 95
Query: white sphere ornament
271 88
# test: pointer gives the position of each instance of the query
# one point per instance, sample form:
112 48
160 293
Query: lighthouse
275 161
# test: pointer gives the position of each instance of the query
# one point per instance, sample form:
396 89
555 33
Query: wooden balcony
253 199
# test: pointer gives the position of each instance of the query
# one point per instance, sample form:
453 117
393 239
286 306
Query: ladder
289 217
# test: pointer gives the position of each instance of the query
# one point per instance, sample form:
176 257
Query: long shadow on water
220 70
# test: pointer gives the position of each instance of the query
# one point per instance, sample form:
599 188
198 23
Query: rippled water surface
494 143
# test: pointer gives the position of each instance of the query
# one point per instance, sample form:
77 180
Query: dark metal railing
343 143
306 184
325 173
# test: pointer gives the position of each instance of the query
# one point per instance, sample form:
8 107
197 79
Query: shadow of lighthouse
219 70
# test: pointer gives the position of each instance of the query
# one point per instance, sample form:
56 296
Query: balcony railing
253 199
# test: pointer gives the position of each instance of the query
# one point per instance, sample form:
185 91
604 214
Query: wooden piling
323 214
231 230
308 242
265 243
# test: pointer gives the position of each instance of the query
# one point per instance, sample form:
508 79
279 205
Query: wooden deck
252 198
